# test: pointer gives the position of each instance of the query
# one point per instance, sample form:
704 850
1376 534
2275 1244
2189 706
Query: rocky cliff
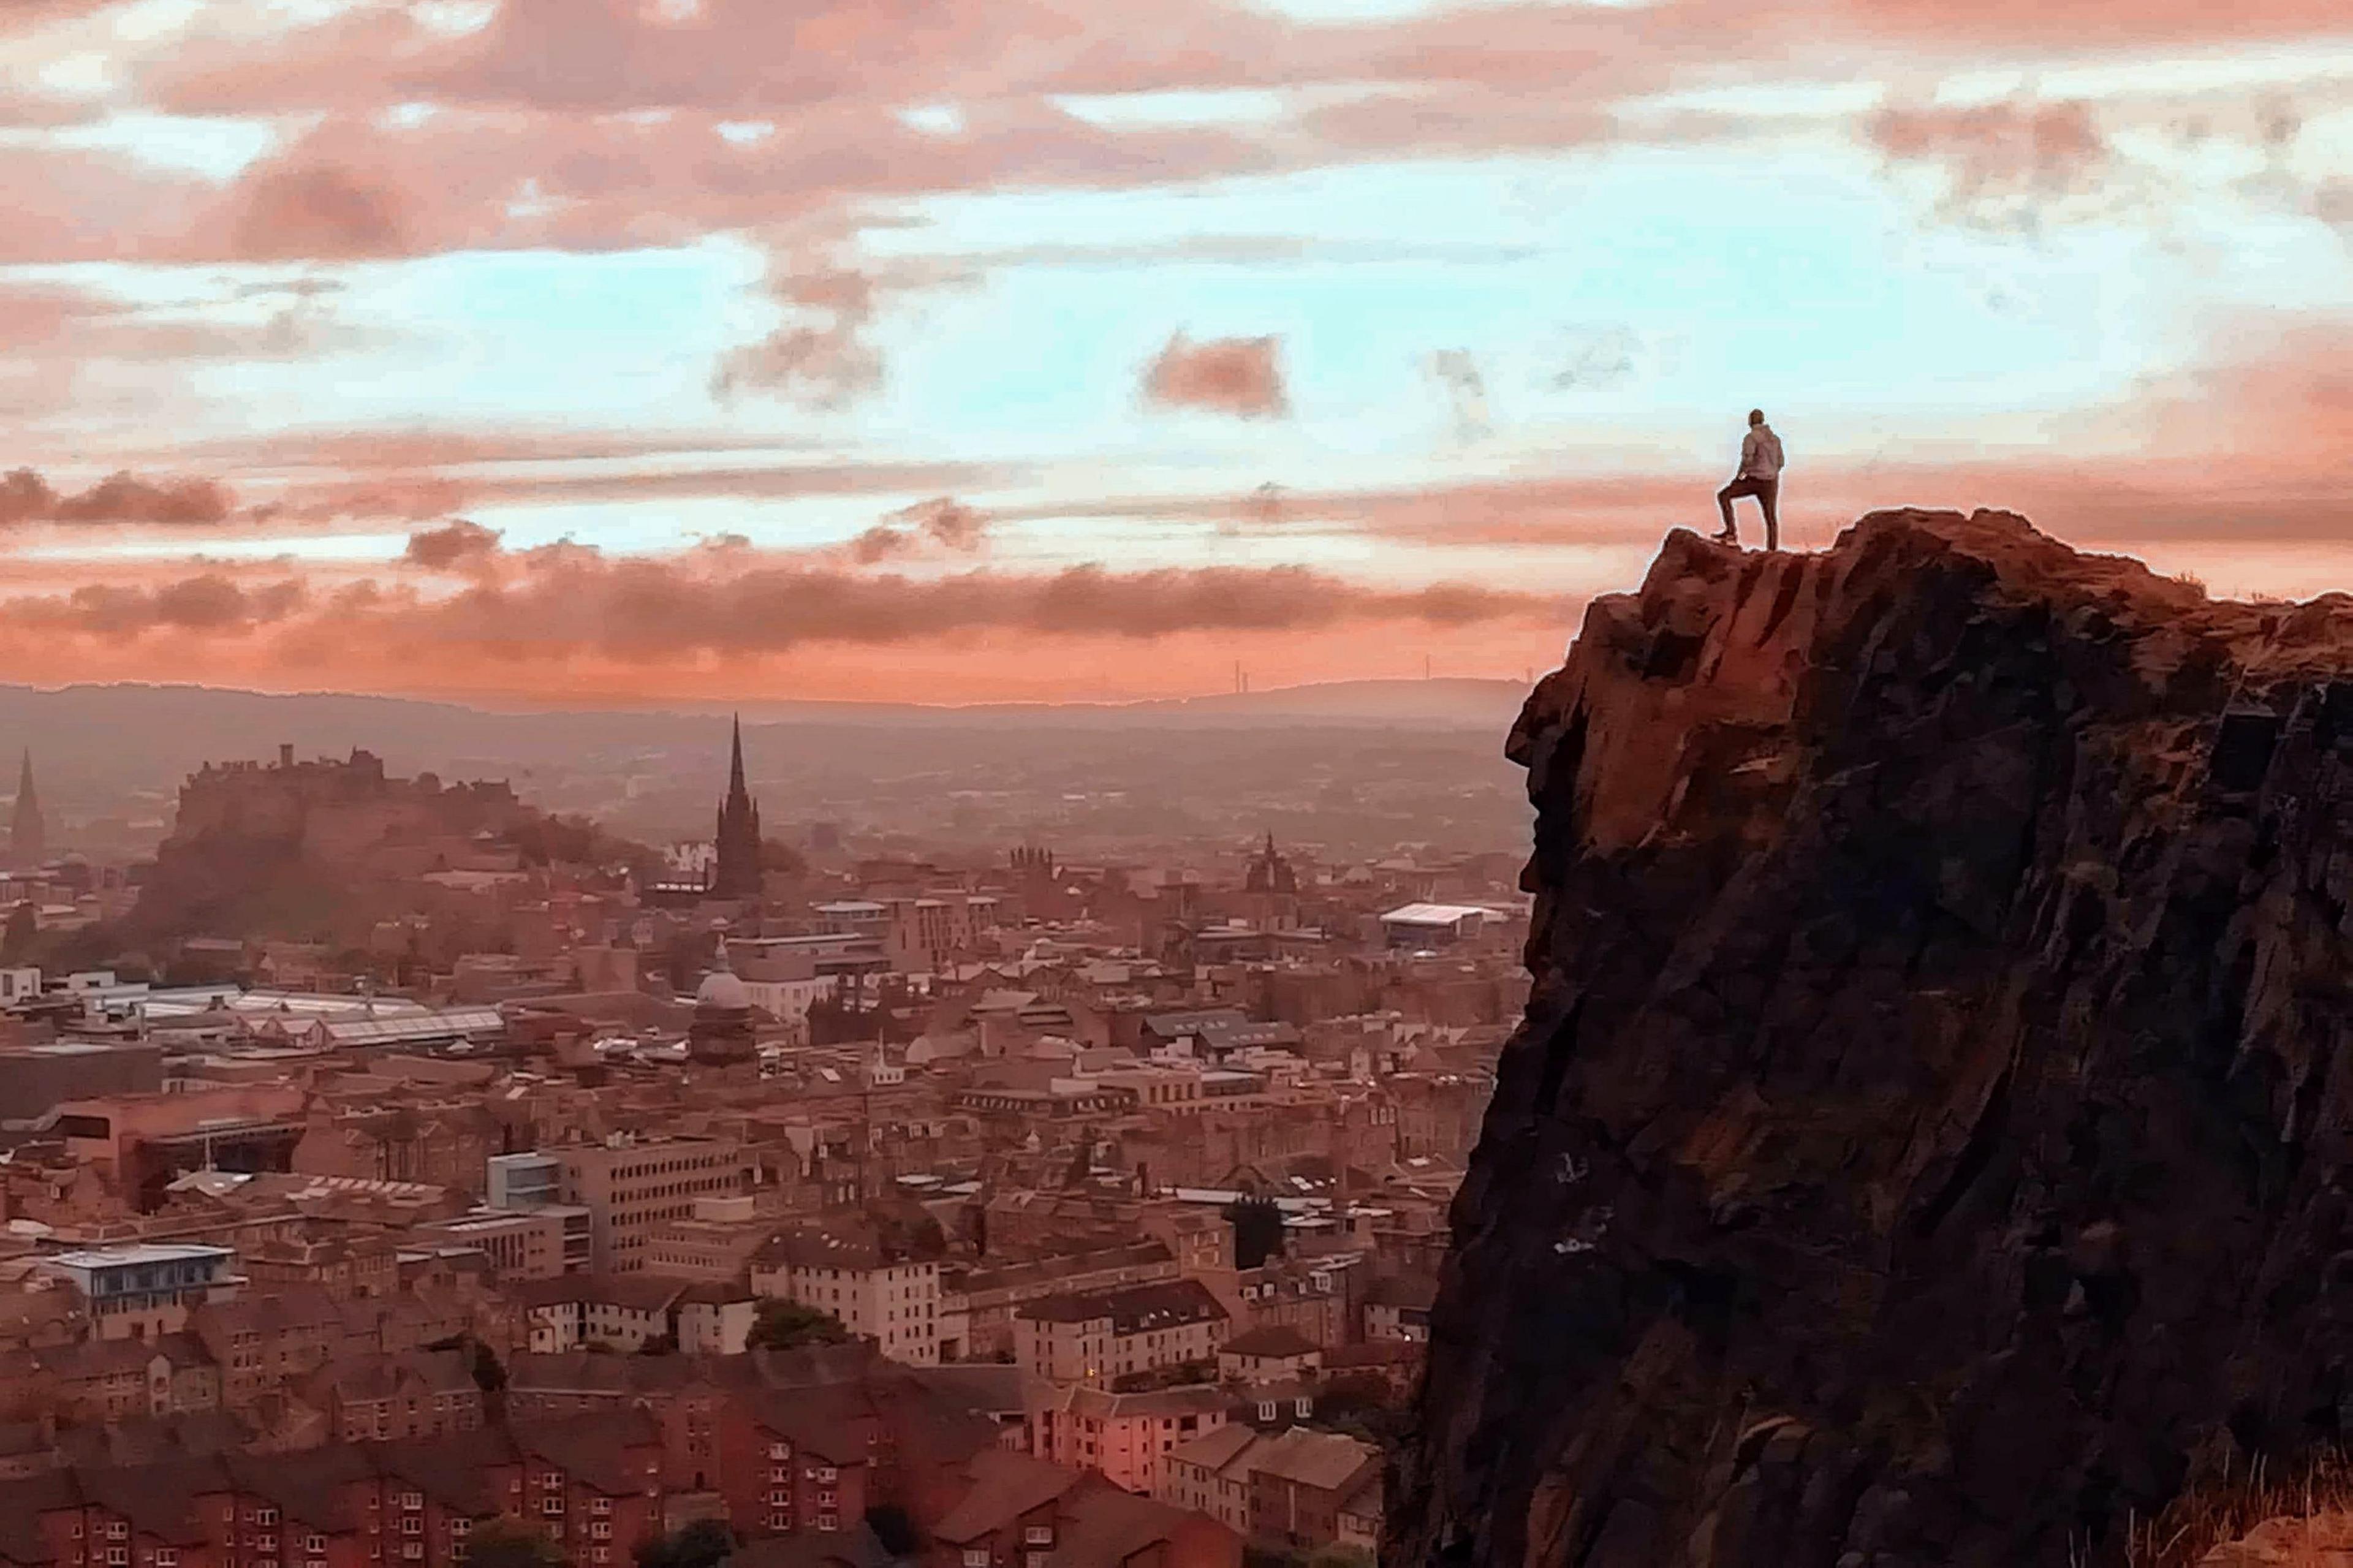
1927 1140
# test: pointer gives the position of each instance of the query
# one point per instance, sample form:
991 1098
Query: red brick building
593 1484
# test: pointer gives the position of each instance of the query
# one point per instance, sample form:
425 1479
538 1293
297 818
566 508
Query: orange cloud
1242 376
25 497
210 603
457 543
560 604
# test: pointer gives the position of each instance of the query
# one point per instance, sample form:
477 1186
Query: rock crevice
1923 1144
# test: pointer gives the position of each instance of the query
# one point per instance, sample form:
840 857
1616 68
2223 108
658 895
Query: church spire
737 875
27 834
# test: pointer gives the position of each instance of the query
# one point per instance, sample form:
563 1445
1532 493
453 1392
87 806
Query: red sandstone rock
1927 1140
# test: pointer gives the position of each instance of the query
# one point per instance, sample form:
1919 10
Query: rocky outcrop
1926 1141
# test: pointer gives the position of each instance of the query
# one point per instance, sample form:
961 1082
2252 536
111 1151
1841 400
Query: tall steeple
738 839
29 839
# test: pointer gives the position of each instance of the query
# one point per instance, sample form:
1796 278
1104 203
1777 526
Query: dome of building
723 992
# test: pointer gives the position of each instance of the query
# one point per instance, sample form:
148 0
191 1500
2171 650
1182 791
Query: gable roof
1003 1486
1278 1341
1214 1450
1102 1524
1327 1460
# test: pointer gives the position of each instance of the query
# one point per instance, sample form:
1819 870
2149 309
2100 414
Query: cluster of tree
1258 1230
1154 1378
1364 1406
481 1361
1333 1556
699 1543
781 1325
556 840
780 859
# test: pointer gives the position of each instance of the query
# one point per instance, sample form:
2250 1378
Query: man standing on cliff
1759 476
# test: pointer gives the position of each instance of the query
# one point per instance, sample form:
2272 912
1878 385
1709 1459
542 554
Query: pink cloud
1242 376
316 212
2070 24
455 545
562 604
826 363
943 521
25 497
2001 153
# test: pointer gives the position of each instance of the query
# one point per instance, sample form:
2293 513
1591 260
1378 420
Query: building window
975 1557
1037 1535
1304 1407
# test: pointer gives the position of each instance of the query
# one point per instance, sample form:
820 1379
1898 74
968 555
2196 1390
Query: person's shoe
1726 537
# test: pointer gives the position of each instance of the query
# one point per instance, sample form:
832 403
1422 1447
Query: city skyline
701 349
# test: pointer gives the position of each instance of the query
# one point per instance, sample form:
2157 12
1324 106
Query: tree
24 926
481 1361
781 1325
1258 1230
893 1528
1338 1556
509 1543
699 1543
663 1343
976 1228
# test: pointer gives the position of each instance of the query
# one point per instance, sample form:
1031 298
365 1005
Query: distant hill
172 729
118 750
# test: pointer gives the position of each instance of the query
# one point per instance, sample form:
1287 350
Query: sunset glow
587 350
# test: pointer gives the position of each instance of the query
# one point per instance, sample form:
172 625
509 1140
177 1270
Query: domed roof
721 992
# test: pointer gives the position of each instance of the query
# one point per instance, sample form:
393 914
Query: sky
577 352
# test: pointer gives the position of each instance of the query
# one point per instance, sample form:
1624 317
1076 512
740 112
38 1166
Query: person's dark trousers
1768 495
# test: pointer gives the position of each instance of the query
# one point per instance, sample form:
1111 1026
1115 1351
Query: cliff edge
1926 1143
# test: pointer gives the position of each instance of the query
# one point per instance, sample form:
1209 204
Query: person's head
1757 417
